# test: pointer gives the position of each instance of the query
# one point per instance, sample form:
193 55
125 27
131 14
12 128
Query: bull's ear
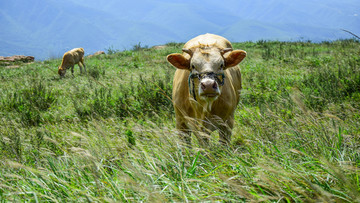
179 61
234 58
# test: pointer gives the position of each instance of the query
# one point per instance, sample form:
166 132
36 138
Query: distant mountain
48 28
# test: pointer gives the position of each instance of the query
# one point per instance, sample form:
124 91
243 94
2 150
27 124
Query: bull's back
77 53
73 56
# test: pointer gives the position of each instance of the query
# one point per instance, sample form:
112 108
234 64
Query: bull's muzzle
209 88
209 84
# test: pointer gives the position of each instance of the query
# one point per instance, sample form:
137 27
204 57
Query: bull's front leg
203 137
185 136
225 131
72 70
80 68
207 128
82 62
225 135
185 133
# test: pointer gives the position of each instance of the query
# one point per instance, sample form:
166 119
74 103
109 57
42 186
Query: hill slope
109 135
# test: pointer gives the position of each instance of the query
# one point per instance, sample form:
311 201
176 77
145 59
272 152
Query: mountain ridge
48 28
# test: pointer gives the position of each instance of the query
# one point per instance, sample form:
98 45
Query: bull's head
61 71
207 65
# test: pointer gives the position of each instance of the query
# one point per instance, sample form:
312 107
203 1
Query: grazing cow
70 58
206 87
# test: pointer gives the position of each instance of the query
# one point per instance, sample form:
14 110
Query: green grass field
109 135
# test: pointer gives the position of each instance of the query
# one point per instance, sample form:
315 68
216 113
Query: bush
147 97
331 84
30 102
138 47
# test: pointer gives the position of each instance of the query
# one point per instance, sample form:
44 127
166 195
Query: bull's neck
203 108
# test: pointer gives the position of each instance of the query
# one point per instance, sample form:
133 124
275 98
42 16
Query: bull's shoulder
180 84
230 95
79 51
67 55
180 94
181 74
234 76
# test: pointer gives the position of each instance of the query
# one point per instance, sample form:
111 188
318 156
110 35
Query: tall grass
109 135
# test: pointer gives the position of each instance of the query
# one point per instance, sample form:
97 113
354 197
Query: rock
158 47
16 58
96 53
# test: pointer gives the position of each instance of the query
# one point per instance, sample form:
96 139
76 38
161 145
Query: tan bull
70 58
206 87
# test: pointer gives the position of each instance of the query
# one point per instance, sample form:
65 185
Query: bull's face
206 66
61 72
207 71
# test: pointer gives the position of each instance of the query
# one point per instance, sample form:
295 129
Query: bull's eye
222 66
193 67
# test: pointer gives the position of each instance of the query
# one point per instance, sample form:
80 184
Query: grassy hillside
109 135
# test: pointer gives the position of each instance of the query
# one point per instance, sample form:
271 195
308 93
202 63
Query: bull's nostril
203 87
215 85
